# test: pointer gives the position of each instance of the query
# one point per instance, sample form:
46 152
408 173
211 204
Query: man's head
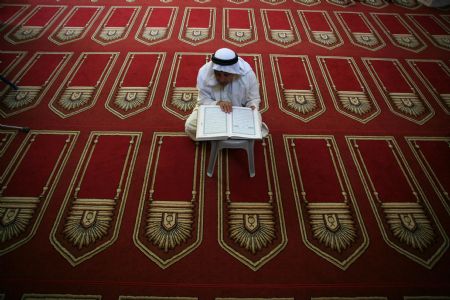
226 65
223 78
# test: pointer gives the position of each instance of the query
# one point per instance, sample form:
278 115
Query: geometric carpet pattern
106 197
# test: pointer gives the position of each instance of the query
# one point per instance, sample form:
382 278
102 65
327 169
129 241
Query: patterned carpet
107 198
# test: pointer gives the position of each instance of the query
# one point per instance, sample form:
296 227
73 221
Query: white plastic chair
247 145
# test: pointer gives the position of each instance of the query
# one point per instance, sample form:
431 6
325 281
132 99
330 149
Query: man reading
227 80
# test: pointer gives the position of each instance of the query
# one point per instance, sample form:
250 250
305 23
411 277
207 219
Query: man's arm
205 96
253 97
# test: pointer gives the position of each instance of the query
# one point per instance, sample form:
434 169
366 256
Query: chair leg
251 158
212 158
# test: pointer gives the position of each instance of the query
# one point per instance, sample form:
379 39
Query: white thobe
243 91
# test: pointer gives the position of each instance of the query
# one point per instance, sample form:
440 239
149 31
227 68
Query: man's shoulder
206 66
248 77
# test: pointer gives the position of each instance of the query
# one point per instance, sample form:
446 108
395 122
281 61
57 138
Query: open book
214 124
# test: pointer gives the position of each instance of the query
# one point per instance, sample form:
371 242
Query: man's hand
225 106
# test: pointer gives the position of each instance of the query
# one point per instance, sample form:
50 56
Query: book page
215 121
243 121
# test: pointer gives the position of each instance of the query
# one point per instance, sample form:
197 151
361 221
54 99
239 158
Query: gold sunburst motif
252 225
273 1
303 101
282 36
341 2
374 3
368 39
15 216
406 3
22 97
169 223
307 2
408 103
356 102
443 40
27 32
332 224
89 220
407 40
75 97
112 33
410 224
240 35
196 34
325 38
184 98
69 33
130 98
154 33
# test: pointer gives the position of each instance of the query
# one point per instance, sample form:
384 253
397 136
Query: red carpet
106 197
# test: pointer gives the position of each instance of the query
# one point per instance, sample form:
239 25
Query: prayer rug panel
135 85
446 18
35 24
6 137
251 220
28 183
169 225
116 25
10 12
181 93
432 153
83 84
399 32
75 24
157 25
320 29
91 213
133 214
35 78
435 75
255 61
406 220
198 25
399 90
280 28
239 26
359 30
350 93
297 90
431 27
330 221
9 60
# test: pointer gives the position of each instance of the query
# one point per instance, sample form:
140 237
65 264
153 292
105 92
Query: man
227 80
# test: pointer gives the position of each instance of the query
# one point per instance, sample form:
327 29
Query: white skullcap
226 60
